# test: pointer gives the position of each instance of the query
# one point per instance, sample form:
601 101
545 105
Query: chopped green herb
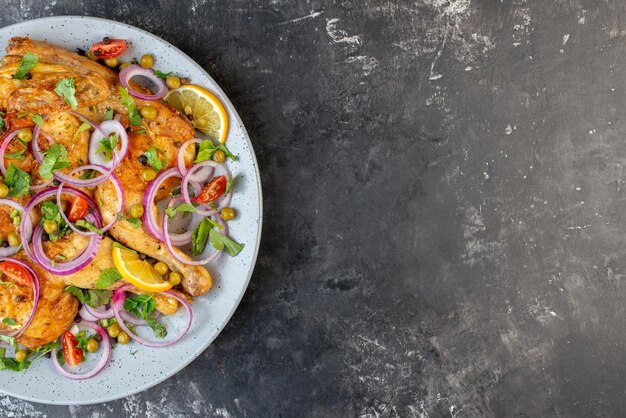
131 107
229 185
118 245
17 180
15 215
92 297
18 155
29 60
184 207
1 122
82 128
153 158
135 222
140 305
22 114
107 146
37 119
107 278
221 242
200 236
207 149
50 212
108 115
157 327
142 131
9 321
67 89
54 159
161 74
88 226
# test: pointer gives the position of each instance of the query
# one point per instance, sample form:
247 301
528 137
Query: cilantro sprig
67 90
28 62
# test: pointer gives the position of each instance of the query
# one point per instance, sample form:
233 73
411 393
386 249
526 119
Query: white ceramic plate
135 368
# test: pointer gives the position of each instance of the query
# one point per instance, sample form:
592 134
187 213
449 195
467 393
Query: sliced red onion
36 253
4 147
90 203
5 252
36 293
135 70
148 200
65 268
85 314
107 128
100 312
106 346
177 255
184 191
200 176
119 191
119 297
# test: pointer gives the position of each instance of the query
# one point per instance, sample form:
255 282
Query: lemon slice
205 110
138 272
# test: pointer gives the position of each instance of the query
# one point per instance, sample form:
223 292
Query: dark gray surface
444 207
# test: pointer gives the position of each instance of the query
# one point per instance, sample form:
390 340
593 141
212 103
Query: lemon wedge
203 108
138 272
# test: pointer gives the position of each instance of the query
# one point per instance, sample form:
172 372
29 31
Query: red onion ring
69 267
106 346
137 70
182 168
119 297
86 315
184 191
3 148
176 254
148 200
36 293
5 252
26 231
90 203
120 203
107 128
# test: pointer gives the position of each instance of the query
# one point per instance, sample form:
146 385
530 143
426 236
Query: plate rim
228 317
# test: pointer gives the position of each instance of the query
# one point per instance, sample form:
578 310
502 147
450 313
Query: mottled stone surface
444 207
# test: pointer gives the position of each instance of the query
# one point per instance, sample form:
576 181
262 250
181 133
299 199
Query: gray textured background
444 207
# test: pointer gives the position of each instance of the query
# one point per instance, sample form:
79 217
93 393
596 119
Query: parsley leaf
37 119
9 321
67 89
107 278
153 158
1 122
157 327
207 149
92 297
131 107
140 305
88 226
29 60
54 159
108 115
50 212
133 221
81 128
200 236
17 180
18 155
221 241
161 74
184 207
229 185
107 146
